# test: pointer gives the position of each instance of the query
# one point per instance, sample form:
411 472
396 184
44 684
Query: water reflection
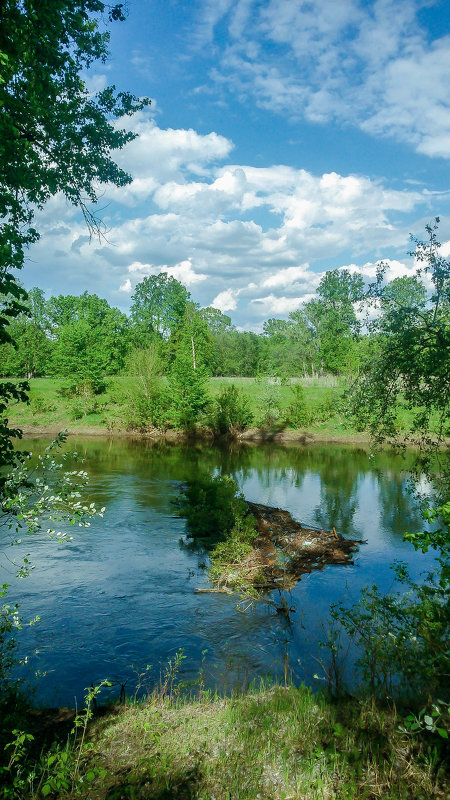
121 594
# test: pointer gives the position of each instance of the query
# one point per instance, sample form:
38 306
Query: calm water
120 595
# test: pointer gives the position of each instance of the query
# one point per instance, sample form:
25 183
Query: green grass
109 412
262 744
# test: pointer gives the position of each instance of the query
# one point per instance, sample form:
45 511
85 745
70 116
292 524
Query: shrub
231 411
147 408
269 407
39 405
404 638
147 404
297 414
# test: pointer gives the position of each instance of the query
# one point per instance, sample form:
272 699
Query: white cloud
248 239
271 304
374 65
125 286
290 275
182 272
226 300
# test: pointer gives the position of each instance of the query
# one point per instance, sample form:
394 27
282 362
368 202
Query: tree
188 372
333 320
28 354
159 303
92 339
410 369
54 135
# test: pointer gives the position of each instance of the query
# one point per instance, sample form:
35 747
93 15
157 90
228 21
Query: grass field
109 412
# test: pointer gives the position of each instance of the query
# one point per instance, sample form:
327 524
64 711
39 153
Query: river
120 596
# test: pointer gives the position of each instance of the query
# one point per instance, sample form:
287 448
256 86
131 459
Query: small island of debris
282 552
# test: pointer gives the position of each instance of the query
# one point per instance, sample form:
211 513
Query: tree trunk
193 353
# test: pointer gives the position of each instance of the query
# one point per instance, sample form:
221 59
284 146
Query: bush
82 388
269 407
231 411
147 408
297 414
76 412
147 404
39 405
404 638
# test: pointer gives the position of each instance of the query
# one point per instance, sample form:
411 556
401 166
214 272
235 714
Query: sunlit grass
108 411
266 744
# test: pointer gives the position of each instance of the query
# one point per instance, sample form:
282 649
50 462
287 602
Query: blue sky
284 138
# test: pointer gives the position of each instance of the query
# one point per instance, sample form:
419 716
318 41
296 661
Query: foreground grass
268 744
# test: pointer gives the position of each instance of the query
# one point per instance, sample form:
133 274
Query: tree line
84 337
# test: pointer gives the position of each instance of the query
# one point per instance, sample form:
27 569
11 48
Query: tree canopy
55 136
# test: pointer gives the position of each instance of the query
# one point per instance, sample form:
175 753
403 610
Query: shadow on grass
182 785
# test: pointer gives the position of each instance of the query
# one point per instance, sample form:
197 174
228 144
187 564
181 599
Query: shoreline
250 436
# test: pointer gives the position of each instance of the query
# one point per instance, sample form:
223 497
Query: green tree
91 338
332 318
54 135
188 373
158 306
28 354
410 369
219 326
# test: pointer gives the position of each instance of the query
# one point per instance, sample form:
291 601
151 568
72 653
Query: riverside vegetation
267 742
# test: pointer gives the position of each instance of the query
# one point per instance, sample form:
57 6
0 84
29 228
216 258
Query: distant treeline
84 338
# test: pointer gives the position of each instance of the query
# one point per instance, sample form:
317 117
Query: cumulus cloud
226 300
182 272
252 240
271 304
374 65
125 286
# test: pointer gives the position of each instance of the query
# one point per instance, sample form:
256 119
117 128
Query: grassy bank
262 744
51 410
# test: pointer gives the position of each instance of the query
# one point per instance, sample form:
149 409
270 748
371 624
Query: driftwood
285 550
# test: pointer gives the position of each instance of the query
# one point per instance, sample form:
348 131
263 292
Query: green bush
403 638
76 412
39 405
231 411
297 414
147 409
269 407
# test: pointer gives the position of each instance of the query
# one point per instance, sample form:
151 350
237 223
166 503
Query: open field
51 410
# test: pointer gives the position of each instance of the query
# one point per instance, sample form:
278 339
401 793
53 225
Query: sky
284 138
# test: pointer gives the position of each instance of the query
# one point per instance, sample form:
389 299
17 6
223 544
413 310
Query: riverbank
264 743
51 410
251 436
